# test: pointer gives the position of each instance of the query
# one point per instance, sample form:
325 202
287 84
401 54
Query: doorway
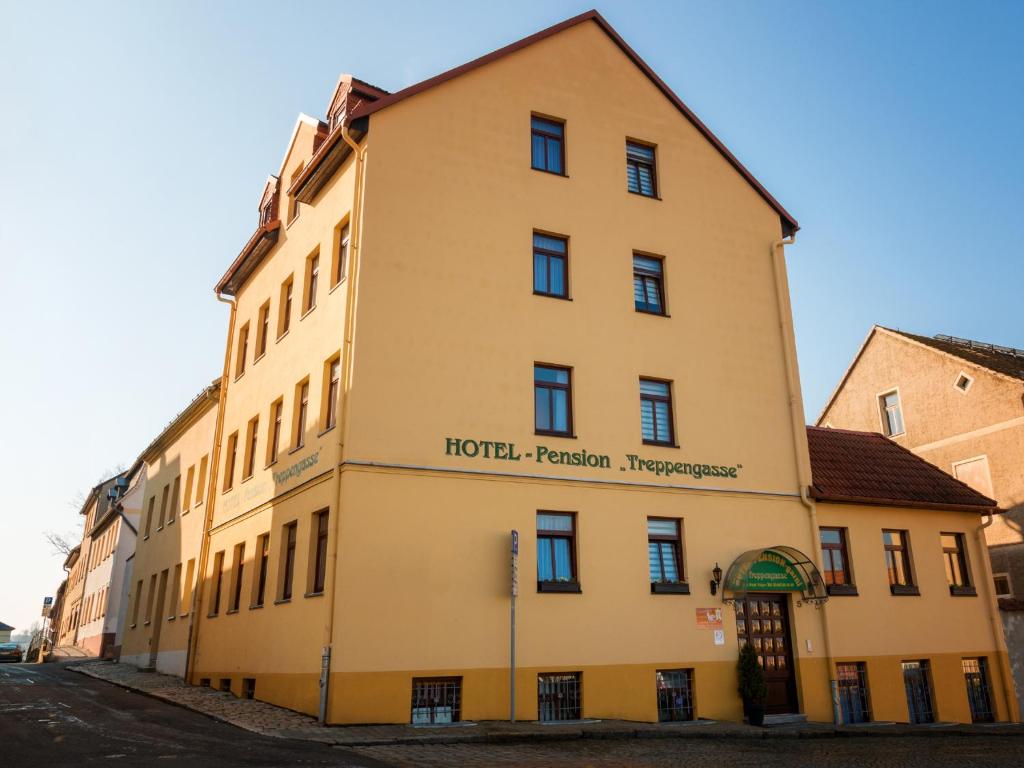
762 621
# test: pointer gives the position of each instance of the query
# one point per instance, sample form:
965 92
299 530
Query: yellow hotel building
536 294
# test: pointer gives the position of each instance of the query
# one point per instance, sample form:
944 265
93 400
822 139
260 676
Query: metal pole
325 671
512 628
837 717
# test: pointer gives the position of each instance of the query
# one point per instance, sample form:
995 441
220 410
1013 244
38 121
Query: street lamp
716 579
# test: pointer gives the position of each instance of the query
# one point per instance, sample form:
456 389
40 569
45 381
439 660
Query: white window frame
1009 583
882 417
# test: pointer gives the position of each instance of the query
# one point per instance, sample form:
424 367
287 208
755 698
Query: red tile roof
867 468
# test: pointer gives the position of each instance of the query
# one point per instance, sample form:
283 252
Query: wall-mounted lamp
716 579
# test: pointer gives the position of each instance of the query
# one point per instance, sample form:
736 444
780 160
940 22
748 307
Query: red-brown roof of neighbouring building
867 468
789 224
1005 360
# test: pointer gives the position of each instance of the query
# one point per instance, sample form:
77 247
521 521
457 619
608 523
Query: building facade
161 574
959 404
442 342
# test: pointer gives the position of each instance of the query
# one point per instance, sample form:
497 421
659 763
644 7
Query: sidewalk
268 720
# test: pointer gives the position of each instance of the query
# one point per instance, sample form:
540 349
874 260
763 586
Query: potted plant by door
752 686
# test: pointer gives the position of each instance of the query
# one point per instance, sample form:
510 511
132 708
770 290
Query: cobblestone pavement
881 752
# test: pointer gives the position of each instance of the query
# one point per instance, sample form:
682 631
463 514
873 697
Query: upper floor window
897 562
547 139
835 561
641 178
301 411
288 560
266 213
274 438
284 318
312 281
656 412
340 256
556 552
263 330
892 413
229 461
250 447
331 390
954 557
320 552
550 266
552 393
243 350
648 285
665 555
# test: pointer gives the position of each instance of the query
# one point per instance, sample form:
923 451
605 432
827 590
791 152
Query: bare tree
62 543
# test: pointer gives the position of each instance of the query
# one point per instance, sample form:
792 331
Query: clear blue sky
135 138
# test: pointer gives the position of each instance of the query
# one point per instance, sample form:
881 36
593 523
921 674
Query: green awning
774 569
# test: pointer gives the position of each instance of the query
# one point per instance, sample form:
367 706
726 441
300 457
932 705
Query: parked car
10 652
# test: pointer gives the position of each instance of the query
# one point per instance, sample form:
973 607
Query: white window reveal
892 414
963 382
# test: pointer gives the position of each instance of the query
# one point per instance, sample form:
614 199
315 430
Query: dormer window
337 117
266 213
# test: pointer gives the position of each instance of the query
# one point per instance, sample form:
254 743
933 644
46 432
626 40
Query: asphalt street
50 716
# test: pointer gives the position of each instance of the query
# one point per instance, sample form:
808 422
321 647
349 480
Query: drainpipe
211 497
341 408
1005 674
800 451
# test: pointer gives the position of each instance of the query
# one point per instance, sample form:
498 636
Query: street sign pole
512 627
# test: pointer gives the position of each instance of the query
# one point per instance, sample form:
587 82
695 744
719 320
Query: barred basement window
917 683
225 684
978 694
675 695
248 687
559 696
204 682
436 700
852 684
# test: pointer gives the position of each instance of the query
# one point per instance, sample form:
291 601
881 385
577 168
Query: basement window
248 687
963 382
225 684
436 700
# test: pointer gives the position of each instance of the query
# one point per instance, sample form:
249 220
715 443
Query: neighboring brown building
959 404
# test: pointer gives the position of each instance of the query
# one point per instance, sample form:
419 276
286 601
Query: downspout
1005 673
800 450
211 498
341 406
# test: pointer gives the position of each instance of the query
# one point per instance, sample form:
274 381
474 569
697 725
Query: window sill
184 615
268 466
314 594
670 588
559 586
552 296
660 444
281 336
146 623
212 615
245 479
159 528
307 313
904 590
133 626
255 606
231 611
146 537
962 591
282 601
549 173
227 490
324 432
641 194
336 286
296 449
842 590
642 311
257 359
239 375
171 521
172 618
545 433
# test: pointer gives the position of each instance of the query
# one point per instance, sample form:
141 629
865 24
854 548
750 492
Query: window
288 560
138 600
836 562
149 515
640 174
201 484
186 591
852 687
963 382
978 695
320 552
665 556
175 591
556 552
301 410
293 203
340 256
559 696
218 578
954 556
547 145
243 350
250 447
892 414
312 280
225 684
552 392
248 687
1003 588
163 507
917 683
648 287
332 371
436 700
263 553
675 695
229 462
236 577
656 412
897 562
266 213
172 510
284 317
263 331
274 438
190 477
550 266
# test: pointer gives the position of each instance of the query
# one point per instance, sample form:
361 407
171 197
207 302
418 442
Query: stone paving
268 720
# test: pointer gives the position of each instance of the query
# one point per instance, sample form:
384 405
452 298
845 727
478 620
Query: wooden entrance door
763 622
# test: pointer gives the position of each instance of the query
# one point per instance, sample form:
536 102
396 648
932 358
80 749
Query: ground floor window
436 700
675 695
225 684
248 687
919 691
559 696
978 695
852 685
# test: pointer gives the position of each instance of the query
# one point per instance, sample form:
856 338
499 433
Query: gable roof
789 224
1005 360
868 468
6 627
